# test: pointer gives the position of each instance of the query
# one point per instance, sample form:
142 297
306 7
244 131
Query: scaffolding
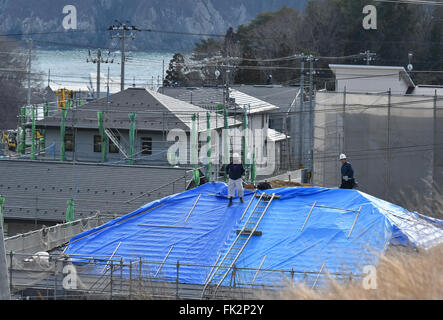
59 277
394 143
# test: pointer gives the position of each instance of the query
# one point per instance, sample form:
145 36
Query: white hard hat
342 156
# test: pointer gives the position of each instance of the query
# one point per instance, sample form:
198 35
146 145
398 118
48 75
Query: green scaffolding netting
132 117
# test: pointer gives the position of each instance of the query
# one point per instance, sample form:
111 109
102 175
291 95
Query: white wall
370 80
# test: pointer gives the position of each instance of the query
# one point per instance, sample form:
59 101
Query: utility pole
98 60
302 91
368 56
107 90
311 109
163 76
124 28
28 100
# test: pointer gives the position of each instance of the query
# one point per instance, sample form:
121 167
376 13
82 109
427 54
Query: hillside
196 16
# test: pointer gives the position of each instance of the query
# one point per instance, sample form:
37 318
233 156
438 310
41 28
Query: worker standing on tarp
347 173
235 171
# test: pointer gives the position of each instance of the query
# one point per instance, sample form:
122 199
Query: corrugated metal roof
40 190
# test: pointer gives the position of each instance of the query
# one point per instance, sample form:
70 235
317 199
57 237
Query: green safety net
209 154
253 170
43 138
194 151
226 153
132 117
22 145
70 211
33 147
245 149
62 136
103 136
172 158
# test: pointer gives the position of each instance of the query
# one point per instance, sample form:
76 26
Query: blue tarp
199 237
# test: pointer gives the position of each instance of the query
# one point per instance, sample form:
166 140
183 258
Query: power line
183 33
124 29
98 60
45 33
423 2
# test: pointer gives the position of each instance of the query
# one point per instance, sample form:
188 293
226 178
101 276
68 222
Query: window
97 144
69 142
147 146
112 147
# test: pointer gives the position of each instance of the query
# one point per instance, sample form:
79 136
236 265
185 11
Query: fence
49 238
58 277
394 143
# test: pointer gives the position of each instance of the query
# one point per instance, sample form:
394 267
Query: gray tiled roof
155 112
281 96
209 97
40 190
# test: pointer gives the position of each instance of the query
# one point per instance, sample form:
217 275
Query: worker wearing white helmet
235 171
347 174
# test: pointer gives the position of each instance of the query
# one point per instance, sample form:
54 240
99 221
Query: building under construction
192 246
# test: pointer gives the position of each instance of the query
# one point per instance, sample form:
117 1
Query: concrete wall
393 144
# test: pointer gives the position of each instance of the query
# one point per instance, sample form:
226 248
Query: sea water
70 69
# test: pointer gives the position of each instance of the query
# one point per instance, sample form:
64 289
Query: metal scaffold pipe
132 117
208 140
4 286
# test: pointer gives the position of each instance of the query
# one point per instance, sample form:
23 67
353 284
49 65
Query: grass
401 275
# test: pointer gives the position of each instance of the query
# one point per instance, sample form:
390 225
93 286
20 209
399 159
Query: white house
372 79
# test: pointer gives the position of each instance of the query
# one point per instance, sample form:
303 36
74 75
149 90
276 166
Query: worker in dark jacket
347 174
235 171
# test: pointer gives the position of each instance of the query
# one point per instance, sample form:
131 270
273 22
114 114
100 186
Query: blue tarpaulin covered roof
345 231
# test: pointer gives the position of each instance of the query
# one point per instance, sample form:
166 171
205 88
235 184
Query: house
156 116
260 112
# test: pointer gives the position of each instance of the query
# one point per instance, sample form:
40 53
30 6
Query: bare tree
14 59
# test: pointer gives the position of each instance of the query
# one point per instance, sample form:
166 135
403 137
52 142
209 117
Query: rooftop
155 112
210 97
306 230
371 71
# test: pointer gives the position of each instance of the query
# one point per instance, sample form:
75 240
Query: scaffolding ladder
235 250
115 141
